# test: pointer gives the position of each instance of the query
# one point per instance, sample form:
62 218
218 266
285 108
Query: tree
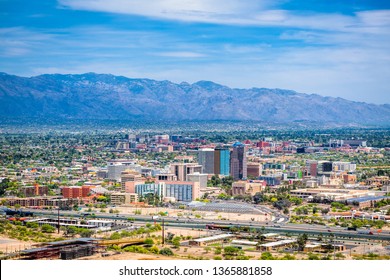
227 182
259 198
149 241
325 211
288 257
166 252
339 256
70 231
217 250
281 204
86 233
4 185
223 196
312 256
231 251
302 239
48 228
176 241
32 225
267 256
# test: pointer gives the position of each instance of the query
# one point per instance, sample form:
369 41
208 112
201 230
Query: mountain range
104 96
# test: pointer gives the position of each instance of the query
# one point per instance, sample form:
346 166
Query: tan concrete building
129 178
254 169
124 198
334 194
166 177
248 187
181 170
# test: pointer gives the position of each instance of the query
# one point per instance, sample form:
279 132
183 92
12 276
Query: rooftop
215 237
366 198
278 243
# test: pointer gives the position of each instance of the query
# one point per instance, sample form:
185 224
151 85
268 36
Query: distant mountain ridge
105 96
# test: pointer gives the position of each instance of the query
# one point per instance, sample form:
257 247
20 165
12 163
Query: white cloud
181 54
175 9
229 12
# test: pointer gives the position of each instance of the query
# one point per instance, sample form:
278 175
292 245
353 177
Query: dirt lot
188 213
8 245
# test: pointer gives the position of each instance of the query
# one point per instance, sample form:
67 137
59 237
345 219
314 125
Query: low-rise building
366 201
75 191
277 245
101 224
40 201
211 239
248 187
330 194
36 190
123 198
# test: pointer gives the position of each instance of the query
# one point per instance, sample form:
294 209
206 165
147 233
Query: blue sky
333 48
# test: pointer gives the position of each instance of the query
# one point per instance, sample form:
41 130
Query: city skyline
338 49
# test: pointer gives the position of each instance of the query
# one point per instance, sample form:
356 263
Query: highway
201 224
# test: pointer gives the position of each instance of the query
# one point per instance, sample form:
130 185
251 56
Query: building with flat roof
277 244
366 201
331 194
153 188
166 177
222 161
124 198
36 190
101 224
238 161
206 160
248 187
75 191
211 239
181 170
244 242
114 171
323 247
129 175
199 178
254 169
182 191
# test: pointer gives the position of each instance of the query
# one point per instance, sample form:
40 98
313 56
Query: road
201 223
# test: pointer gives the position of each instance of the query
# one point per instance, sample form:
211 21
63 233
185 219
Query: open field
189 213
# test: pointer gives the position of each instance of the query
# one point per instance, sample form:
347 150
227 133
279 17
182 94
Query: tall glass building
206 158
222 161
238 166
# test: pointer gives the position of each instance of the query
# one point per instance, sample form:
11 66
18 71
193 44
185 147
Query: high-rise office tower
206 159
222 161
181 170
238 167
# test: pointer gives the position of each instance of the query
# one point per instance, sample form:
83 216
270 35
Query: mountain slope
101 96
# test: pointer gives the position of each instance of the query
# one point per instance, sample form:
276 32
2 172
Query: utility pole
163 233
58 219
